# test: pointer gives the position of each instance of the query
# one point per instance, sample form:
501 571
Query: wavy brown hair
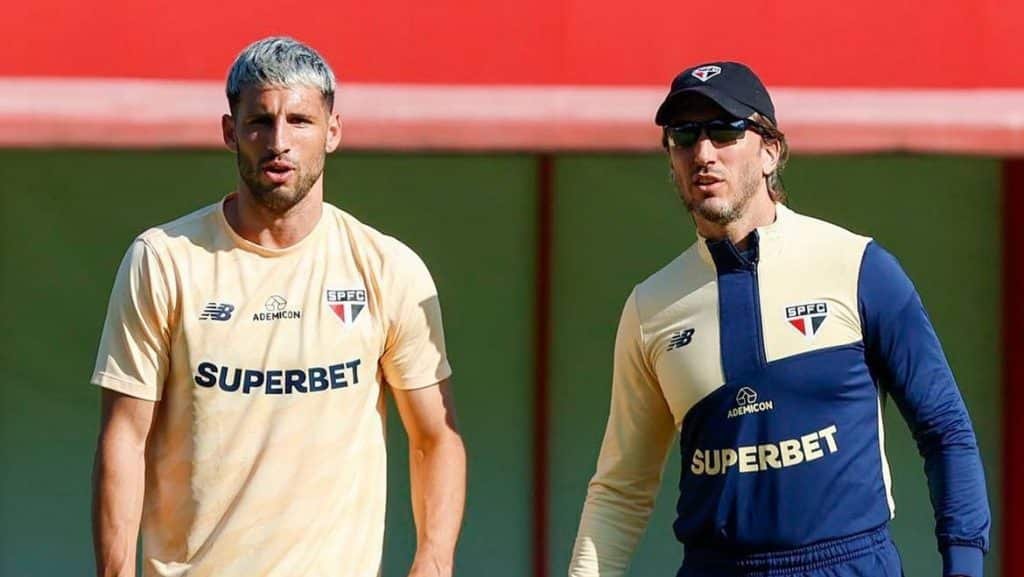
771 134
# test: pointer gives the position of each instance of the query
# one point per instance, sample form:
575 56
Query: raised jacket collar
769 239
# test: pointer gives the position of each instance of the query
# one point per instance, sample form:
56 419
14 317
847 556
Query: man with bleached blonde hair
244 361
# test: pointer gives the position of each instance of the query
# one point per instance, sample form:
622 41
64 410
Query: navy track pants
870 554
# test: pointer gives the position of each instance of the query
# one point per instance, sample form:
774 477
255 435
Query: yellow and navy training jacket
773 365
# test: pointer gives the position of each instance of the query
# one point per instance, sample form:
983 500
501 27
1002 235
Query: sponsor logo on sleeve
807 318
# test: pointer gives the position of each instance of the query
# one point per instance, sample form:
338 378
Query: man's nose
278 141
704 151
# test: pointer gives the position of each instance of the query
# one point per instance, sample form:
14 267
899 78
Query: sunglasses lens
685 135
718 131
721 131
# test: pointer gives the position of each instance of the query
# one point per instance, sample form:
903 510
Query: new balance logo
680 339
217 312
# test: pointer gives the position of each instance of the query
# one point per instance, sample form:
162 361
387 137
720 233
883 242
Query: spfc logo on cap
705 73
808 317
346 303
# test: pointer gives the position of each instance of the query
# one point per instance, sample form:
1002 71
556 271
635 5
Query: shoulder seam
640 332
166 275
639 318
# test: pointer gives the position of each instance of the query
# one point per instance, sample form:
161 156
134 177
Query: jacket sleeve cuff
962 560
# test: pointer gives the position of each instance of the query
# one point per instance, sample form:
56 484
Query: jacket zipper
759 332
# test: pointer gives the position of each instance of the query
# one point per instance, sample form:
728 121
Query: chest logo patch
217 312
680 339
746 403
277 309
808 317
346 303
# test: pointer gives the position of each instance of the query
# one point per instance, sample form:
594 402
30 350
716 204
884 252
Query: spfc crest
808 317
705 73
346 303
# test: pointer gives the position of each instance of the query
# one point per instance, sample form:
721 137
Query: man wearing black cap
770 345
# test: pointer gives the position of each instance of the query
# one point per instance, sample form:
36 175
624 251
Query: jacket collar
769 239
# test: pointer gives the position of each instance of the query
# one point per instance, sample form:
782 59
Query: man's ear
770 152
333 132
227 128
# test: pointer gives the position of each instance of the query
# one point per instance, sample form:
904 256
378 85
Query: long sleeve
638 435
905 354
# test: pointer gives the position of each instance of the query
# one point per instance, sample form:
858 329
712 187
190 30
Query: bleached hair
279 62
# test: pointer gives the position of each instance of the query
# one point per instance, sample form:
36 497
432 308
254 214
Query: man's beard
278 199
749 183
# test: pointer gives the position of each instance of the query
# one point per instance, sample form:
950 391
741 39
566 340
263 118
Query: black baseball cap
731 85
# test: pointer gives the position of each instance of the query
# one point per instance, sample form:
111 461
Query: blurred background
513 146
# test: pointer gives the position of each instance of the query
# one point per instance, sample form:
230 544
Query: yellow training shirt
266 456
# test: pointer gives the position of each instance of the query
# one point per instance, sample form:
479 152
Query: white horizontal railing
113 113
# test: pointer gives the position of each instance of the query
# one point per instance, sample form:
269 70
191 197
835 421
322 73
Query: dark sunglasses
719 131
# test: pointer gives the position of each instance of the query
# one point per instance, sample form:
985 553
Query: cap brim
727 103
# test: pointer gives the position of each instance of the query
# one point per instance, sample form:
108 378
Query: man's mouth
706 179
277 171
706 182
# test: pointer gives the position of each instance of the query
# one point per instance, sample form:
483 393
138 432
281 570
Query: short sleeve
414 352
134 354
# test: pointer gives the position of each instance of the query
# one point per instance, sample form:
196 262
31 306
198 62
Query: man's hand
429 568
437 470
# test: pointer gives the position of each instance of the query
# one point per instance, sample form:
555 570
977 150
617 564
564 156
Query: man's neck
737 231
260 225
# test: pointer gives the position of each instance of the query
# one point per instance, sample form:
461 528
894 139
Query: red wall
824 43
